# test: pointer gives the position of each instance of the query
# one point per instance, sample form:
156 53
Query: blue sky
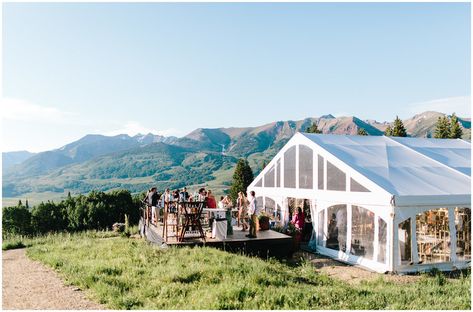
74 69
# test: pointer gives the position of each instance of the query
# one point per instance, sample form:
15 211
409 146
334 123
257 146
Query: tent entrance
306 205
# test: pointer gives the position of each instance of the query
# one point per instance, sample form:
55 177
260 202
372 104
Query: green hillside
205 157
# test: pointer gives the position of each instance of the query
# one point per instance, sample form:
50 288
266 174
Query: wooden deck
267 244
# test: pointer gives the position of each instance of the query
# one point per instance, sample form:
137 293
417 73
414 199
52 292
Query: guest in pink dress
298 219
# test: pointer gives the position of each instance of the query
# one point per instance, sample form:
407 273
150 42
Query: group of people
247 206
154 201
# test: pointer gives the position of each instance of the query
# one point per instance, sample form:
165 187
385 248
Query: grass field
125 273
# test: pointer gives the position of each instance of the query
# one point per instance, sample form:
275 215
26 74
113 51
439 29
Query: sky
72 69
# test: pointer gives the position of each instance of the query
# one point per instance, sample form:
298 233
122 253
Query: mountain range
203 157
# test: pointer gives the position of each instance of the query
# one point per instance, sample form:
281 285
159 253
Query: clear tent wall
358 212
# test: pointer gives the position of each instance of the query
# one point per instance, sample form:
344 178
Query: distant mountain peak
329 116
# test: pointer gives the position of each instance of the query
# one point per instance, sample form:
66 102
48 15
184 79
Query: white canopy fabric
405 166
453 153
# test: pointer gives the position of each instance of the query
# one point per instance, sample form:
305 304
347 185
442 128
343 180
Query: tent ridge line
425 156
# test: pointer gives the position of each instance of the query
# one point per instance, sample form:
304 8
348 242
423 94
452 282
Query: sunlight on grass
131 274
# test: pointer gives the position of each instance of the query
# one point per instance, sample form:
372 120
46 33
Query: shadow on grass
13 245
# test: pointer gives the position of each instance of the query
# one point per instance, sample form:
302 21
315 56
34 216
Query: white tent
385 203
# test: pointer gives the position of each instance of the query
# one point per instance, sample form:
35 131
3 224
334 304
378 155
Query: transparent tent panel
306 167
382 240
278 173
463 229
404 238
337 227
336 178
290 167
433 236
362 238
278 213
320 228
269 206
259 201
357 187
320 172
259 183
269 178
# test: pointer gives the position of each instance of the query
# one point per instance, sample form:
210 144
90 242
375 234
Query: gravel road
27 284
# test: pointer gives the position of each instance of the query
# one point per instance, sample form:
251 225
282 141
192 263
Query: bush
16 220
49 217
263 222
77 213
122 203
97 210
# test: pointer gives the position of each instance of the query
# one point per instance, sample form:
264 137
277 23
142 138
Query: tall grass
131 274
14 241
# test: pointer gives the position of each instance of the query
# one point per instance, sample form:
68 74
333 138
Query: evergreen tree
313 128
16 220
242 177
442 128
398 129
20 204
48 217
361 131
388 131
27 205
456 131
263 165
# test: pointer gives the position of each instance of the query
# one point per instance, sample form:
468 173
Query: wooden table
191 212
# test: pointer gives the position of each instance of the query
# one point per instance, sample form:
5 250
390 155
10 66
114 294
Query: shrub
48 217
122 203
97 210
263 221
77 213
16 220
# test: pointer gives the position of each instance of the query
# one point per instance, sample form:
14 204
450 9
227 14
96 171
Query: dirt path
28 284
349 273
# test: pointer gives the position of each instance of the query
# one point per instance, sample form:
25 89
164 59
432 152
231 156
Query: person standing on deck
147 204
227 202
202 197
252 213
184 195
242 210
166 198
211 202
153 201
221 203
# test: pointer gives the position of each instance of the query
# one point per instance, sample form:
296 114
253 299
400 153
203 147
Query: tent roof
405 166
453 153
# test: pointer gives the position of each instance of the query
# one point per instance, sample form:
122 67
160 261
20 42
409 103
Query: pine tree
26 204
20 204
263 165
456 131
442 128
361 131
242 177
388 131
313 128
398 129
